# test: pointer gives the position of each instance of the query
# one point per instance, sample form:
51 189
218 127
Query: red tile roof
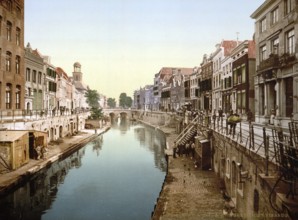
169 71
229 45
62 73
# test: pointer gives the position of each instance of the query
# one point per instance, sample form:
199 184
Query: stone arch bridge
122 113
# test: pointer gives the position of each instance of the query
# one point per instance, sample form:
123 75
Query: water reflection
111 177
30 201
97 145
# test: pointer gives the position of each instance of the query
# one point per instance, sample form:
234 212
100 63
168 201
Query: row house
50 100
243 72
35 80
12 80
160 80
187 90
136 100
156 93
276 79
64 91
226 86
205 83
177 90
169 88
194 88
223 50
148 94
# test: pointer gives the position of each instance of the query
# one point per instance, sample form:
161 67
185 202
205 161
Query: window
34 76
8 61
275 46
235 77
243 74
28 74
290 42
263 53
241 100
9 5
18 36
18 97
29 91
39 77
228 168
18 64
8 96
263 25
238 74
19 12
8 31
256 201
289 97
234 173
274 16
288 6
52 87
0 25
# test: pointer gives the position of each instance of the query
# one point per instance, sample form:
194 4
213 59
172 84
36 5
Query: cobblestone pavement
188 193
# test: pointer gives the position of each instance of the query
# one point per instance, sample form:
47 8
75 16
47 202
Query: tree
92 98
96 113
125 101
111 102
128 101
122 99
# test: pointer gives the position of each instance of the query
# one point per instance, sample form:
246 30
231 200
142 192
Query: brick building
12 81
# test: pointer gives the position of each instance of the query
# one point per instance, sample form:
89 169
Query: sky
122 44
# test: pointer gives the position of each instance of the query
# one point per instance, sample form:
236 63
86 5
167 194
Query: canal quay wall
58 126
235 187
55 152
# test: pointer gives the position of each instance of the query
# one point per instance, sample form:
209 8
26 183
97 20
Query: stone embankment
188 192
56 151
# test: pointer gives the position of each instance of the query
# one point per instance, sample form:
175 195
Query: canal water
117 176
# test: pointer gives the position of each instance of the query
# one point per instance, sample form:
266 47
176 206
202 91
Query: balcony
274 62
271 63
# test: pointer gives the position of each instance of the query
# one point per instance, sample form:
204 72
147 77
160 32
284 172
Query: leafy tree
96 113
92 98
124 100
128 101
111 102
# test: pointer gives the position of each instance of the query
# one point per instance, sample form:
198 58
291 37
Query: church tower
77 74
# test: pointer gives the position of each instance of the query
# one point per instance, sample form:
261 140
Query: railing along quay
7 116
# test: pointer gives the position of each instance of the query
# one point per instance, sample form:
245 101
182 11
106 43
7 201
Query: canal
117 176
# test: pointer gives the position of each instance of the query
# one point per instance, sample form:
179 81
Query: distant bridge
122 113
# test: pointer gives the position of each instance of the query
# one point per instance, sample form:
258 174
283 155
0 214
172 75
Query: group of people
40 152
187 149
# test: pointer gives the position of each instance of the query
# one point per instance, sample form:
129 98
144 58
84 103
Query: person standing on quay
192 149
174 149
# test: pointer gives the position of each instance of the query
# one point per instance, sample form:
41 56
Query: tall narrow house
12 80
276 79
